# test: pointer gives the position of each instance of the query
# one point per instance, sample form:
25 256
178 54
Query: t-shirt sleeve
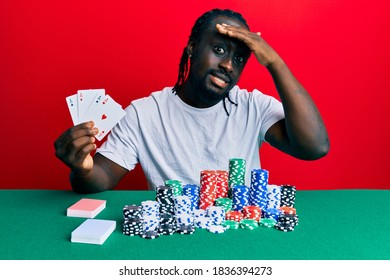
270 110
121 144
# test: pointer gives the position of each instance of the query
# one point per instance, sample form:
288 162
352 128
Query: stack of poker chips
165 197
234 216
271 213
132 222
185 229
287 195
210 219
216 229
167 224
230 224
225 203
201 220
216 214
273 196
193 192
249 224
185 225
240 197
183 215
150 216
182 205
222 201
251 217
258 188
252 212
267 222
177 186
222 183
184 220
208 188
288 219
237 170
199 213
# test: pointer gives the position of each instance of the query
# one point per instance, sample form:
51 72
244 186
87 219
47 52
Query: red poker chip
288 210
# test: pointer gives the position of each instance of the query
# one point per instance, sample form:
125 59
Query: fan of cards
95 105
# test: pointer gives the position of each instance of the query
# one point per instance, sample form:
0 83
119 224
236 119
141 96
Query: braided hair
201 24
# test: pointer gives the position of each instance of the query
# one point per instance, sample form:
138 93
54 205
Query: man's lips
221 81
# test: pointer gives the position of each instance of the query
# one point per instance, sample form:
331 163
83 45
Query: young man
205 119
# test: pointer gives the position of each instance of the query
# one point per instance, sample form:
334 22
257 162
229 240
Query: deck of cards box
86 208
95 105
91 231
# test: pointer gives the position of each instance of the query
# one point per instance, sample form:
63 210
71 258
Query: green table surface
333 225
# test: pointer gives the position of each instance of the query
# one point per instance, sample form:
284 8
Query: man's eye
239 59
219 50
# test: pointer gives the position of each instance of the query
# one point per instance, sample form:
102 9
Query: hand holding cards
95 105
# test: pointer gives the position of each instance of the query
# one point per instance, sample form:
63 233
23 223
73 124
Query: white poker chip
199 213
203 222
216 229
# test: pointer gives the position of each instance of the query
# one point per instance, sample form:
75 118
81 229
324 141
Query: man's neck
192 96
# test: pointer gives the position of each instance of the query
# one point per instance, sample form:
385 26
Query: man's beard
205 91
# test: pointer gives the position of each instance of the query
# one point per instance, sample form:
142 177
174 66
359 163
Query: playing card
72 106
106 113
85 99
95 102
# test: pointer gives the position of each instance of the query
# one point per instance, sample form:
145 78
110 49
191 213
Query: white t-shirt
172 140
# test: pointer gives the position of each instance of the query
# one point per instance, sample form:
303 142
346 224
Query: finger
226 29
76 127
81 130
230 29
239 33
76 151
77 144
73 142
84 152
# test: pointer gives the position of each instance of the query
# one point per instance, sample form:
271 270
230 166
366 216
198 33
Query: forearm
91 182
306 132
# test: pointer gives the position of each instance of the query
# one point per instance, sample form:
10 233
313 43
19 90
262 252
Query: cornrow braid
201 24
183 70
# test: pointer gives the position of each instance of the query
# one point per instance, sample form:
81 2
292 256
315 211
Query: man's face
217 61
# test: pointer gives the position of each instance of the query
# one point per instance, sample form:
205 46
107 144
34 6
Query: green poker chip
269 222
237 171
249 224
225 203
230 224
177 186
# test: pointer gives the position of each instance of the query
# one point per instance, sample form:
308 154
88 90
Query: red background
339 50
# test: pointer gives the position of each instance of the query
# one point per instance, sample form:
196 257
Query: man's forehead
212 32
226 20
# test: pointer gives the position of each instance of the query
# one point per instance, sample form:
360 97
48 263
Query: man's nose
227 64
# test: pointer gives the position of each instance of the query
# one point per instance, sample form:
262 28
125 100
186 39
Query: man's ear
190 47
